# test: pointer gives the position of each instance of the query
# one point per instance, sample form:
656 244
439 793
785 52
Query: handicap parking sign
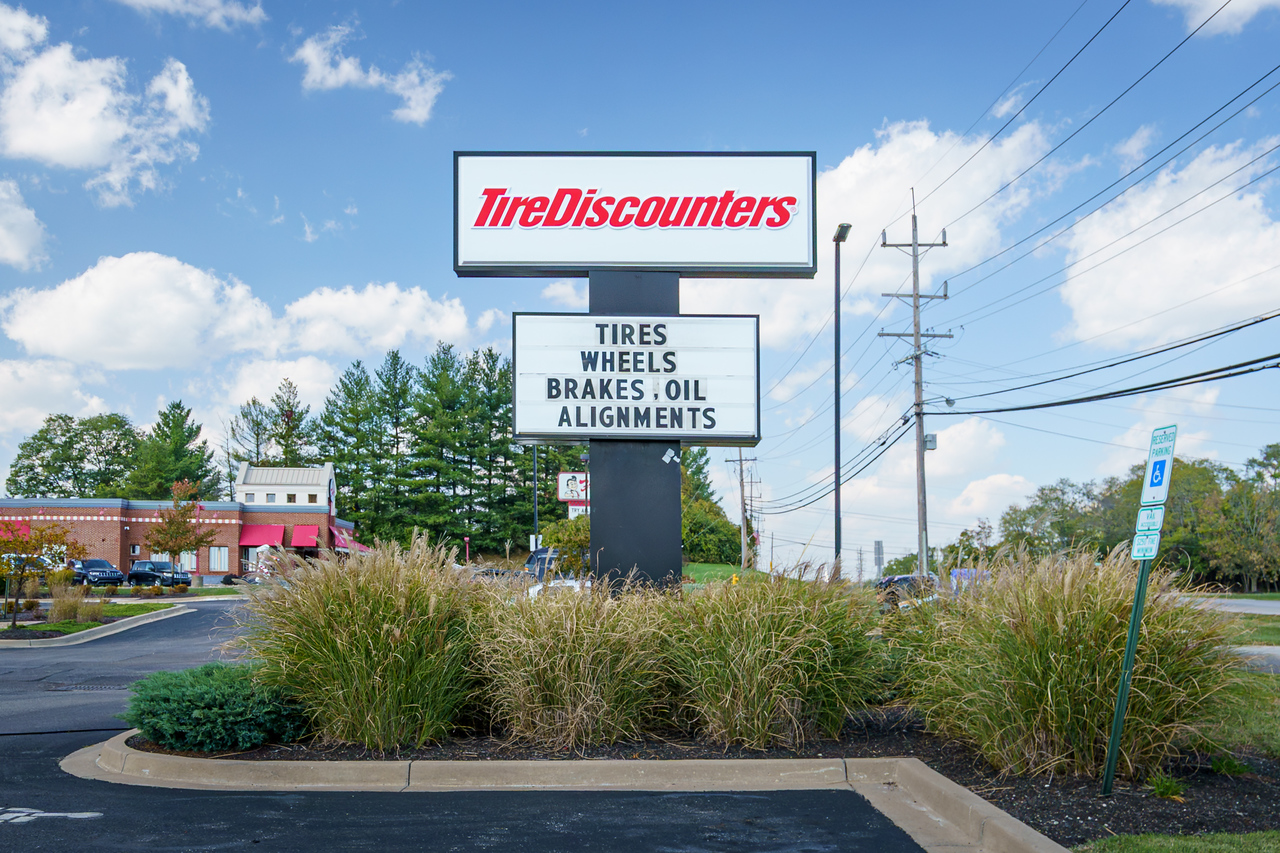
1155 487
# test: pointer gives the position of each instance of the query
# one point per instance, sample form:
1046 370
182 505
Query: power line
1092 118
1227 372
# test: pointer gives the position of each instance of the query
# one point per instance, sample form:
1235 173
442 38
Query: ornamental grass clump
573 667
775 662
375 648
1025 666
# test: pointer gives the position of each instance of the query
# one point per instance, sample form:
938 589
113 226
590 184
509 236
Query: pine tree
393 393
348 434
291 427
439 461
170 452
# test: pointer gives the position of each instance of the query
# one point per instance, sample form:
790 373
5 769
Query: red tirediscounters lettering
577 208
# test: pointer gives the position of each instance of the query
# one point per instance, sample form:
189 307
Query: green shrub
1165 786
375 647
573 539
214 708
1025 666
570 668
772 662
110 590
30 605
137 591
60 577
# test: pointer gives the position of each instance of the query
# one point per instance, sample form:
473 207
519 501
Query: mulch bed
1066 809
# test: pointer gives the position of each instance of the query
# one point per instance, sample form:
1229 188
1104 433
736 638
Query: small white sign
679 378
1145 546
1150 518
1155 485
572 486
699 214
576 510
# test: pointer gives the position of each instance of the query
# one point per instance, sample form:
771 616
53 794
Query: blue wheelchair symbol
1157 472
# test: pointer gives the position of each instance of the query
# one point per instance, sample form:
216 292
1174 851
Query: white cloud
375 317
970 445
150 311
488 318
870 190
567 293
1219 252
20 31
223 14
75 113
1134 149
1190 401
1230 20
800 380
140 311
327 68
261 377
21 234
31 390
990 496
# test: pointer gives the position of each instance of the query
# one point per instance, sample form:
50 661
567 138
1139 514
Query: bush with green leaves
775 662
214 708
376 647
1025 666
572 668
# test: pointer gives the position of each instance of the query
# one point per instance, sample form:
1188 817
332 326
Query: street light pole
842 233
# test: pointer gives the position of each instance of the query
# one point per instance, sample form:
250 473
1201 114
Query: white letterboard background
720 353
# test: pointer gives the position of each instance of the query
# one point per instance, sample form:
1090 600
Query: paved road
1242 605
42 808
62 688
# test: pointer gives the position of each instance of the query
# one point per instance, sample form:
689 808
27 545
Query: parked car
539 560
157 573
94 572
902 592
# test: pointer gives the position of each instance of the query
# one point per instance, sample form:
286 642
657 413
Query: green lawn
707 572
116 610
1255 722
1263 630
1254 842
1256 596
214 590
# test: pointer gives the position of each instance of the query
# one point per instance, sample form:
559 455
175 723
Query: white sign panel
1150 518
687 378
576 510
696 214
1145 546
1155 485
572 486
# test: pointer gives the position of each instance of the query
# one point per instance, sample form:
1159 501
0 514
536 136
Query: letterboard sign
689 378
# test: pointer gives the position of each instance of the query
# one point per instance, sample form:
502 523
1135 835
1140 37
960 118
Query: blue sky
200 197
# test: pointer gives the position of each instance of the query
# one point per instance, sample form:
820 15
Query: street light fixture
842 234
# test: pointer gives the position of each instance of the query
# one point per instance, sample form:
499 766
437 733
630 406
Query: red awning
253 535
305 536
341 540
11 529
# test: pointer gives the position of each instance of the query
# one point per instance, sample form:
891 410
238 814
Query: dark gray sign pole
635 485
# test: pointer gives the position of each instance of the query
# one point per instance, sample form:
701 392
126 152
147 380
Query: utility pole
917 355
742 493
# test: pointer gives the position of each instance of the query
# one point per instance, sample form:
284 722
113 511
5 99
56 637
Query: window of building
271 498
218 557
248 497
135 550
291 499
186 561
313 498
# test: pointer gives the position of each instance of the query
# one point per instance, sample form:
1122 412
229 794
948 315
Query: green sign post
1146 542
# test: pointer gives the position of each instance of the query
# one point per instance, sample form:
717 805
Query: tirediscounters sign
688 378
558 214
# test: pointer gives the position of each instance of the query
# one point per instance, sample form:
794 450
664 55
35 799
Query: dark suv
96 573
157 573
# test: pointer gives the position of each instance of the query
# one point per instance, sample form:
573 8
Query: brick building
285 507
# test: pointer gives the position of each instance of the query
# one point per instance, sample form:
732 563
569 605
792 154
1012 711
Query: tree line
424 447
1220 525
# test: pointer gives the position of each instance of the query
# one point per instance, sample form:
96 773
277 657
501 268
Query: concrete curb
101 631
939 815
